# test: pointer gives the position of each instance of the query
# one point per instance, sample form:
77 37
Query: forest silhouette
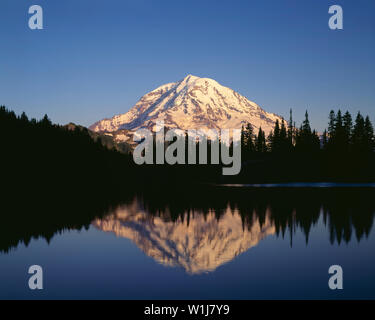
344 152
347 213
54 178
38 151
57 178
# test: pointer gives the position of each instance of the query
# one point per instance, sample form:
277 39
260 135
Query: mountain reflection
195 241
200 231
197 228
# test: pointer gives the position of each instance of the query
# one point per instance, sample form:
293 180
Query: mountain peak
195 80
190 77
191 103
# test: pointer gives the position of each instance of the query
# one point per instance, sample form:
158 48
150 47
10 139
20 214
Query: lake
218 242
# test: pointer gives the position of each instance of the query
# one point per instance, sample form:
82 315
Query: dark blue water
253 245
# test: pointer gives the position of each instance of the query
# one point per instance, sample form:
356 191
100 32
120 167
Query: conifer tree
358 138
348 128
369 135
274 138
247 143
291 130
331 125
261 145
307 141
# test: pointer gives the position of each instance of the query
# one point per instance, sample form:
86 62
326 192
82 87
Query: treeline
39 155
342 136
345 151
42 159
54 178
289 209
65 162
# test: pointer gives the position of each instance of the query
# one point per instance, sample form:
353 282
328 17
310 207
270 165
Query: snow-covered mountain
198 244
192 103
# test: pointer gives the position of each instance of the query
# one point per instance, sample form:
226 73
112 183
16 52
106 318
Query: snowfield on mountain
192 103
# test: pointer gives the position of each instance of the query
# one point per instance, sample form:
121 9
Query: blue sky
94 59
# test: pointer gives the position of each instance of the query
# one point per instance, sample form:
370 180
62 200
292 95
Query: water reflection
199 232
199 229
195 241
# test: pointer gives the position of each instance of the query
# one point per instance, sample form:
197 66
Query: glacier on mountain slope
192 103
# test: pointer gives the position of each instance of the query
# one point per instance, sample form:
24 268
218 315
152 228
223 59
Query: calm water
219 243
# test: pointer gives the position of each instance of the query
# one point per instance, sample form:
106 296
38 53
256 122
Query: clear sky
94 59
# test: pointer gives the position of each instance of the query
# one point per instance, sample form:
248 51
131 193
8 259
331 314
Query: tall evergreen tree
275 137
369 135
243 141
348 128
331 124
290 128
339 138
261 145
285 143
46 122
358 138
307 141
24 118
247 141
306 128
269 141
